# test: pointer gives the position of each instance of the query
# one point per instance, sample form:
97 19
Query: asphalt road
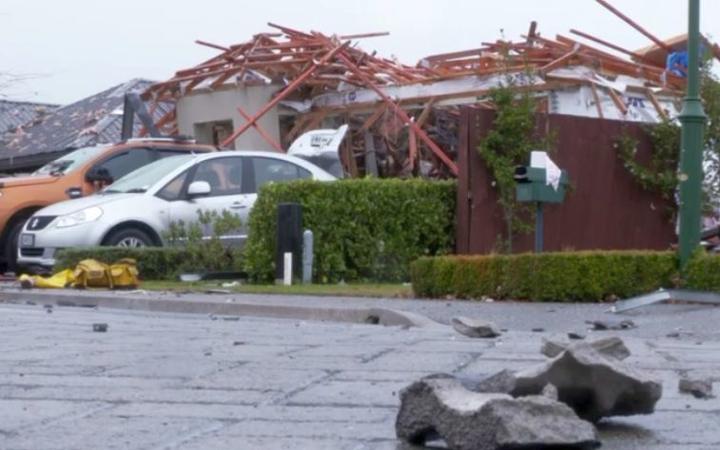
184 381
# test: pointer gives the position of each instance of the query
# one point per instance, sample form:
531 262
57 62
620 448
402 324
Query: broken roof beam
264 134
404 117
562 61
609 45
211 45
454 55
290 88
656 104
633 24
365 35
596 98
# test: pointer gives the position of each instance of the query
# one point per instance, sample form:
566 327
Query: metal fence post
307 257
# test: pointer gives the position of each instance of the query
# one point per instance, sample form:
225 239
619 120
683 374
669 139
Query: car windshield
145 177
69 162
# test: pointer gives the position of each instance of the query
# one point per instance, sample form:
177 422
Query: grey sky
79 47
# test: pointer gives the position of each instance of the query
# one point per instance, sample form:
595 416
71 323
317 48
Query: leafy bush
364 229
187 250
210 254
566 276
702 272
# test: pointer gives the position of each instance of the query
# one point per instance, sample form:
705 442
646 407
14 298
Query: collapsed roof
321 76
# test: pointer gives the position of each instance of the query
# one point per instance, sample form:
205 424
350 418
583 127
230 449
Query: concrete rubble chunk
475 328
441 406
697 388
613 347
602 325
595 386
502 382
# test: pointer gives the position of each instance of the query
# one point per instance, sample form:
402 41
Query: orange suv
79 173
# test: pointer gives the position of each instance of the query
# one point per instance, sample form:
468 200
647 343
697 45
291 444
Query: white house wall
213 106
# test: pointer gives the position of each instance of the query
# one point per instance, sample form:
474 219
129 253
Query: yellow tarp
89 273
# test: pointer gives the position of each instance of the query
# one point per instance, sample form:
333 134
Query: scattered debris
468 420
697 388
594 385
236 343
575 336
100 327
602 325
372 319
538 330
613 347
475 328
217 291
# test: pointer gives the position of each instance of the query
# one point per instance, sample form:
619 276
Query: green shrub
703 272
154 263
364 229
565 276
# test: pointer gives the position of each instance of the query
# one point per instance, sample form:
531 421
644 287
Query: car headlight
86 215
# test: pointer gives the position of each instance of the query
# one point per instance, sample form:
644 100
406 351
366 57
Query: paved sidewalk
694 321
184 381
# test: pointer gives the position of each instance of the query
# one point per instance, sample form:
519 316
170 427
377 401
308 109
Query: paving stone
15 414
126 394
696 387
223 442
308 429
358 393
418 361
108 432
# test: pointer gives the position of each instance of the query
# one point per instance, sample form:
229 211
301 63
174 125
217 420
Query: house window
213 133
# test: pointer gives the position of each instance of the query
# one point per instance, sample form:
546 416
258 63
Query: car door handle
238 205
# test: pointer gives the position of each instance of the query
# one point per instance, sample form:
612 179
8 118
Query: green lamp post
693 119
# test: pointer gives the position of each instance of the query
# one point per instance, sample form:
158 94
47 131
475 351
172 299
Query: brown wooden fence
606 209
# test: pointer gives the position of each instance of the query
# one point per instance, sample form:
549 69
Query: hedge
364 229
565 276
154 263
702 272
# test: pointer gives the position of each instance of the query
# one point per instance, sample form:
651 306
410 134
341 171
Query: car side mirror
198 189
100 174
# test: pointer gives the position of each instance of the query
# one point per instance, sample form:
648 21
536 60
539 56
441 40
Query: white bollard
287 268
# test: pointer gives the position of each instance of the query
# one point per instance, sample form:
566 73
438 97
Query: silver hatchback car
136 210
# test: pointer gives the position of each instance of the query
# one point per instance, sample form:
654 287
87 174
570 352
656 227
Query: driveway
186 381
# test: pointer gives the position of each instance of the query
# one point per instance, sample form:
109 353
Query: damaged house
427 119
42 133
263 93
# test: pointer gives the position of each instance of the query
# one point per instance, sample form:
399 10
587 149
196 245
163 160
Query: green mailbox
532 187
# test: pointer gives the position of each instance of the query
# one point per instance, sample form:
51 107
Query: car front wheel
129 238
